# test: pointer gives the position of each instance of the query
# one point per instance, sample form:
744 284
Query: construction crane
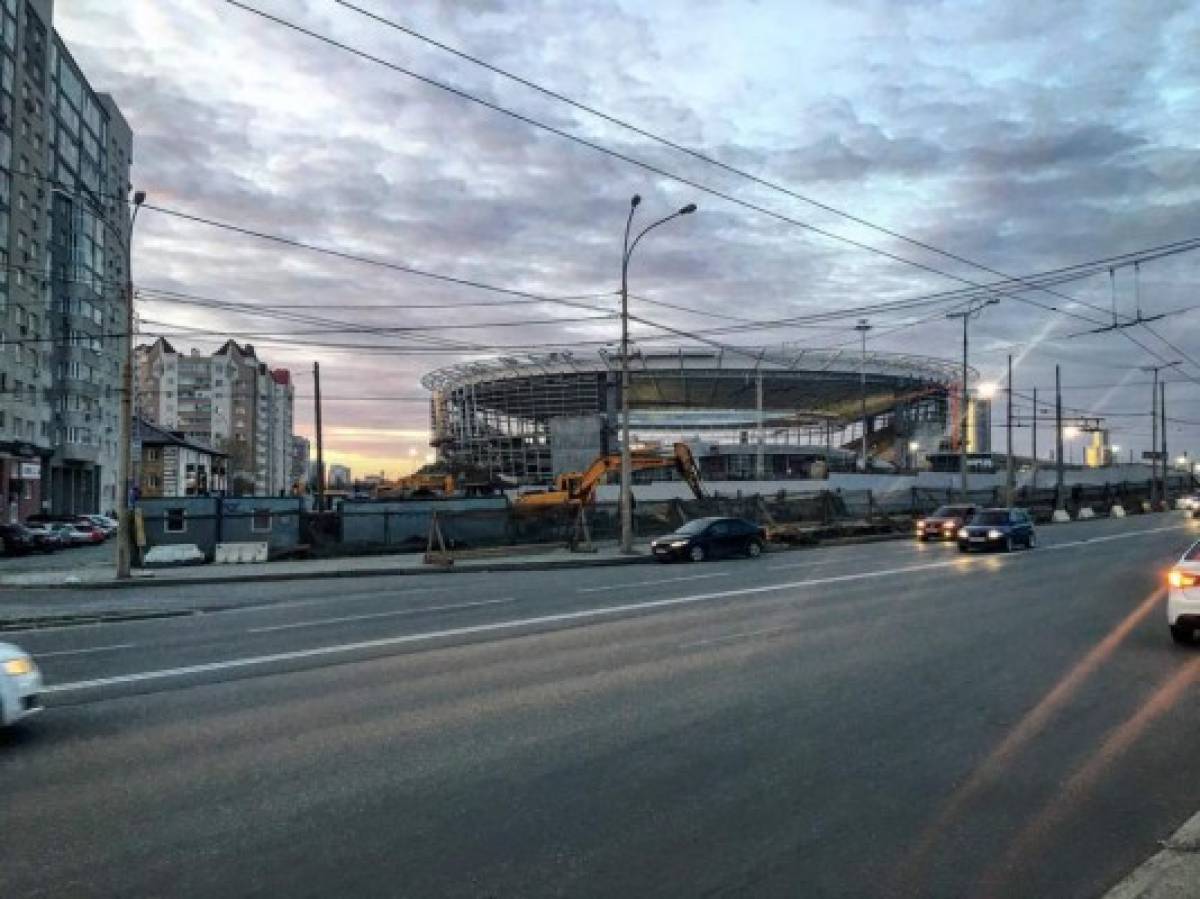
575 489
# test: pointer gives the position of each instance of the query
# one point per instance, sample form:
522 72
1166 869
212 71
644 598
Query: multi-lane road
878 720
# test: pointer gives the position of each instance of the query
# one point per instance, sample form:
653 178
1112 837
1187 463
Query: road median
1173 873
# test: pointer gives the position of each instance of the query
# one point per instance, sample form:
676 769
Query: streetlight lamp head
914 445
139 198
1070 432
635 200
688 209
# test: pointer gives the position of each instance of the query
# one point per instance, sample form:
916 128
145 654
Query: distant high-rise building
65 156
301 449
339 477
231 401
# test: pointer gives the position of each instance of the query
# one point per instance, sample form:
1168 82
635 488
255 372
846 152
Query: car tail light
1177 578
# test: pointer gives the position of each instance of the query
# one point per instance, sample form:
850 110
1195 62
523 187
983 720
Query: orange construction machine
574 489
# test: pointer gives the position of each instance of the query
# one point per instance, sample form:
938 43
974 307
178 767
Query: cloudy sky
1023 137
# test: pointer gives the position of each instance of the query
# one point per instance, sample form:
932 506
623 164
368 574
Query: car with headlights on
711 538
20 685
1003 529
945 522
1183 596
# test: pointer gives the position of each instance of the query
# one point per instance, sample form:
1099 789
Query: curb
143 581
1173 873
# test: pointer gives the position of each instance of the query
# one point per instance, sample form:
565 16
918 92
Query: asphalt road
880 720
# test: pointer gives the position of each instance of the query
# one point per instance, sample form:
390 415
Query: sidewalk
1173 873
93 576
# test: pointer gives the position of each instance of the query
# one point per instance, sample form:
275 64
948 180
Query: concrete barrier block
1146 507
240 553
1060 515
172 554
1117 512
1085 512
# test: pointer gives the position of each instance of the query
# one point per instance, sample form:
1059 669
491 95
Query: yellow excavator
574 489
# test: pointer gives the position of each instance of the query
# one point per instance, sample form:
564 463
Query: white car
20 685
1183 596
104 523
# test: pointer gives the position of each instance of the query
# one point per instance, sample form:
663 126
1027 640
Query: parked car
1183 596
998 529
16 540
105 524
945 522
77 534
20 685
1189 501
44 538
711 538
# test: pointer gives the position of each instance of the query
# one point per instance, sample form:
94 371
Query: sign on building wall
31 471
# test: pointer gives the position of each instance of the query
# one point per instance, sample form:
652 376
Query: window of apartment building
151 453
22 200
45 430
30 429
175 521
261 522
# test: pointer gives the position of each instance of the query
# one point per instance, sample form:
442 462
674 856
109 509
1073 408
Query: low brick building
172 465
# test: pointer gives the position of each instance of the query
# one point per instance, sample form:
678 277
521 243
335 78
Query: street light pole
862 328
626 450
966 315
1058 440
124 452
1009 484
1154 397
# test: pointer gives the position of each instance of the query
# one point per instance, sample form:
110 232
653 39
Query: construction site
761 413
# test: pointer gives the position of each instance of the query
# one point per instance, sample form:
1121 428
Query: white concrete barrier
240 553
1060 515
1085 512
1117 512
1146 507
173 554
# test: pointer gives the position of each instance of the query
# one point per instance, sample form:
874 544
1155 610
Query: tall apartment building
65 156
301 450
230 401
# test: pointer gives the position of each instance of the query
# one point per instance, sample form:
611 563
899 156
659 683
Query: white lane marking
493 627
79 652
785 567
342 597
500 626
395 613
665 580
1107 537
738 636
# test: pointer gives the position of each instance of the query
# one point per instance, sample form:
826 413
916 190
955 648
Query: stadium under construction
765 413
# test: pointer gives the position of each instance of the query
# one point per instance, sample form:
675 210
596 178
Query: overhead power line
646 166
695 154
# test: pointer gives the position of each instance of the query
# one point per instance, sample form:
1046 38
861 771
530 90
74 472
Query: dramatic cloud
1022 137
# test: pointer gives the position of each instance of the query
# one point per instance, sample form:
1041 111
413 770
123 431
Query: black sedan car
17 540
711 538
998 529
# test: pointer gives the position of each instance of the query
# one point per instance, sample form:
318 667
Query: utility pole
1009 481
862 328
125 450
760 470
320 442
1033 448
1058 439
966 316
1162 412
626 449
1154 396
